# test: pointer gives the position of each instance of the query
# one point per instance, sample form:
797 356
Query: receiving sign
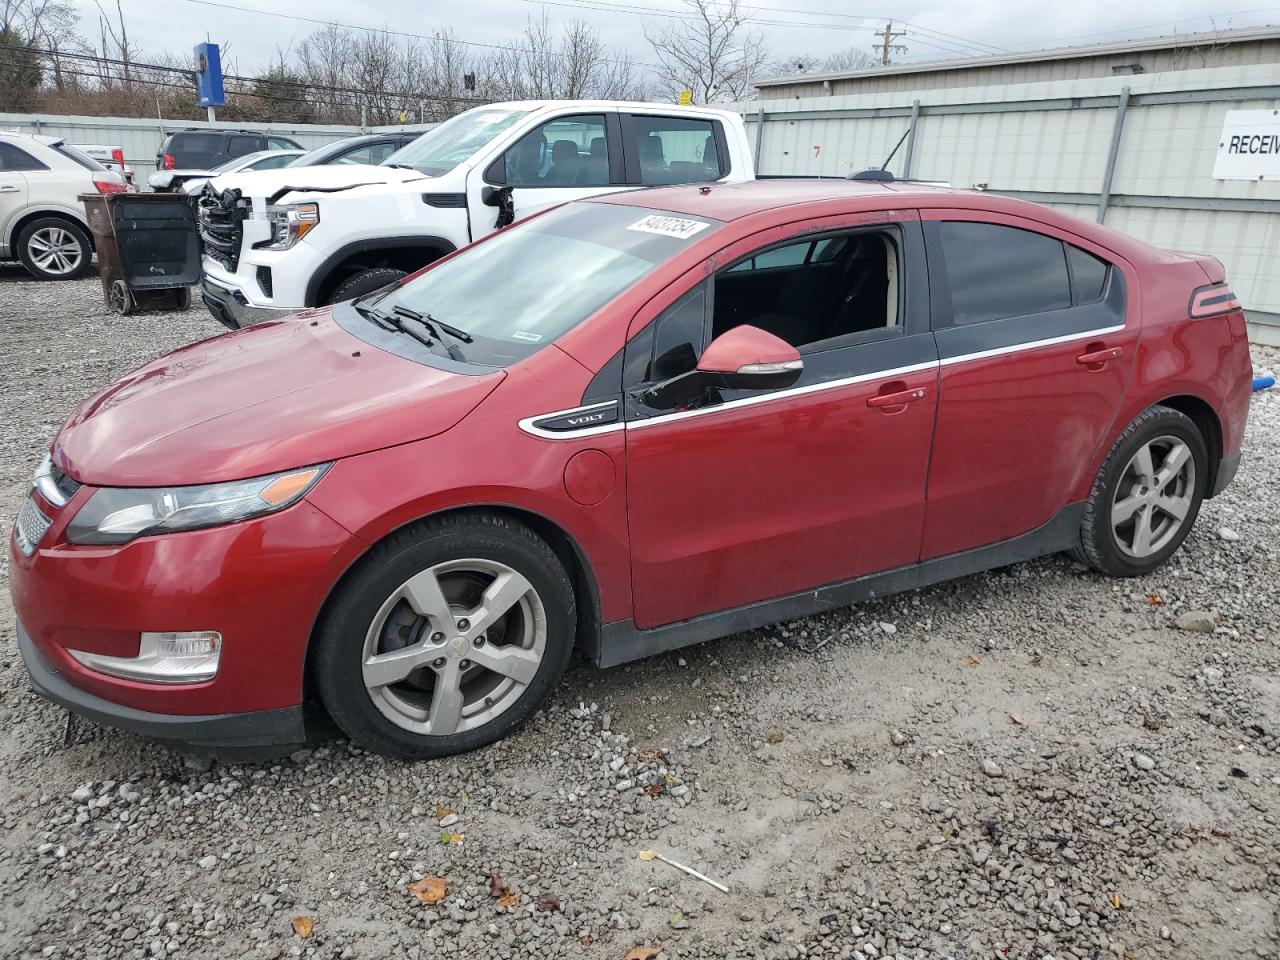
1250 146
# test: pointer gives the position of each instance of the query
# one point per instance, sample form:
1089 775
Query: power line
435 38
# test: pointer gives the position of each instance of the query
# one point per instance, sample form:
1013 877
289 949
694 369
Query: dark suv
206 149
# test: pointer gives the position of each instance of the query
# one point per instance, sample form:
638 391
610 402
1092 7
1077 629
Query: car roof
816 197
586 106
32 138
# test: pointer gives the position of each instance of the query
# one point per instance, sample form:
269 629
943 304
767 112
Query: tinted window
281 143
1088 275
678 336
996 272
71 153
11 158
196 146
564 152
238 146
676 150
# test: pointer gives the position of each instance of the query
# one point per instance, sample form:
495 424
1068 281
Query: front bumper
230 307
258 735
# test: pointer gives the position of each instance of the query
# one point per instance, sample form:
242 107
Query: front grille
30 526
221 228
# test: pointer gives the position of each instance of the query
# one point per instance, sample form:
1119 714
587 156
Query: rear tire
53 248
1147 495
448 636
366 281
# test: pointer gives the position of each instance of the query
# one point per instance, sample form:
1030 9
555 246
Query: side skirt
621 642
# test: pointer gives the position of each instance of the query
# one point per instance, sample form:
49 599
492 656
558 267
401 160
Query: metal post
911 140
210 114
759 136
1104 197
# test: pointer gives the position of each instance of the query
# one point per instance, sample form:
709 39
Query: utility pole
886 44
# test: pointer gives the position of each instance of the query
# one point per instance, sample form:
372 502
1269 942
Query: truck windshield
441 149
521 289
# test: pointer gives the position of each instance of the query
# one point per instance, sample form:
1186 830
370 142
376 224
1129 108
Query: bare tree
711 52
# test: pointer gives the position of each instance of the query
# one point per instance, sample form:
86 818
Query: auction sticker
676 227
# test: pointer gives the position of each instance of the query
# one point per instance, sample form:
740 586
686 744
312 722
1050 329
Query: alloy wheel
1154 496
55 250
454 646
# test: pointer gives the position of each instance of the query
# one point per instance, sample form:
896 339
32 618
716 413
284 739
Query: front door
755 495
1035 352
566 158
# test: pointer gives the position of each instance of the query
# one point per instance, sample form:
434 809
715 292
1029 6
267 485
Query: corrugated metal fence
141 138
1134 151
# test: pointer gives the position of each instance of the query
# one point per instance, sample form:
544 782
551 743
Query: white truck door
565 158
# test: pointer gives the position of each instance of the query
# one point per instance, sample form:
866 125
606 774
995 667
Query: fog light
163 658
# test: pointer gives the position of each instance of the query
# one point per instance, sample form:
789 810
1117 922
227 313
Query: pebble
207 862
1227 534
1143 762
1196 621
992 769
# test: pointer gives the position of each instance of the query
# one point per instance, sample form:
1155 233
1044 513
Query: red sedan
629 424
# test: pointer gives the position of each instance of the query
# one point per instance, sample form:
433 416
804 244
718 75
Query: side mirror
744 358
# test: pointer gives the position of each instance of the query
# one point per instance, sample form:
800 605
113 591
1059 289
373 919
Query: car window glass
1088 276
77 156
996 272
564 152
678 336
198 146
281 143
12 159
443 147
238 146
270 163
808 302
676 150
380 151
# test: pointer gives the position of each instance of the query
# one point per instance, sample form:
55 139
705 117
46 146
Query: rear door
1036 343
565 158
13 186
753 495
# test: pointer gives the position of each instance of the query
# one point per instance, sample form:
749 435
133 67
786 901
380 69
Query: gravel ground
1037 762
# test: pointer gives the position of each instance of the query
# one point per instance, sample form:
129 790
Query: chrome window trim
781 395
527 424
1031 345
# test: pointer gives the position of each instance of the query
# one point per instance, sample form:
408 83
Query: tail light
169 163
105 186
1212 300
118 156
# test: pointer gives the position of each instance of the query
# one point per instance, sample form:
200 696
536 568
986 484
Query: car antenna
882 173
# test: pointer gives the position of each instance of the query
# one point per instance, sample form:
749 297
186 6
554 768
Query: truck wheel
366 281
446 637
1146 496
52 248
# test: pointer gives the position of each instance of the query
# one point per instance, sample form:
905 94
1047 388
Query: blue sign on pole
209 91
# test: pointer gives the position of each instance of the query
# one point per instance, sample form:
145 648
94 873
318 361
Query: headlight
290 222
118 514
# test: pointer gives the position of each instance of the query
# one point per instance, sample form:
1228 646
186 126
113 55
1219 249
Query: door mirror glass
744 358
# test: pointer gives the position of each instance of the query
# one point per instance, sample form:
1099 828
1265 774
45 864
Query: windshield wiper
434 327
395 324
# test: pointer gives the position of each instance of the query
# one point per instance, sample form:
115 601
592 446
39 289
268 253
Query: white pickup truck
276 241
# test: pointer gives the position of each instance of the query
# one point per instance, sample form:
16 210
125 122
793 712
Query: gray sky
795 29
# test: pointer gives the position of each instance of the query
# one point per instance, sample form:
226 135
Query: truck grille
30 526
221 228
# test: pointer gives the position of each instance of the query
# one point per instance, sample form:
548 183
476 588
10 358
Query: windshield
528 285
442 148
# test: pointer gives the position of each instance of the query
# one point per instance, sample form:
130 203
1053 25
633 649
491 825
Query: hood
276 396
326 178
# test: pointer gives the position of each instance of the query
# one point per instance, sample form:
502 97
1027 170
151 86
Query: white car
42 221
111 157
281 240
192 182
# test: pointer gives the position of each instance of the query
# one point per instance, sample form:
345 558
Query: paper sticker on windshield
525 335
676 227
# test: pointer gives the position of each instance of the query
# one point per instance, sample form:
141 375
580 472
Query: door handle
1100 356
8 188
896 399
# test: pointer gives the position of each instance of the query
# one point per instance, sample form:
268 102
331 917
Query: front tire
52 248
366 281
448 636
1147 495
